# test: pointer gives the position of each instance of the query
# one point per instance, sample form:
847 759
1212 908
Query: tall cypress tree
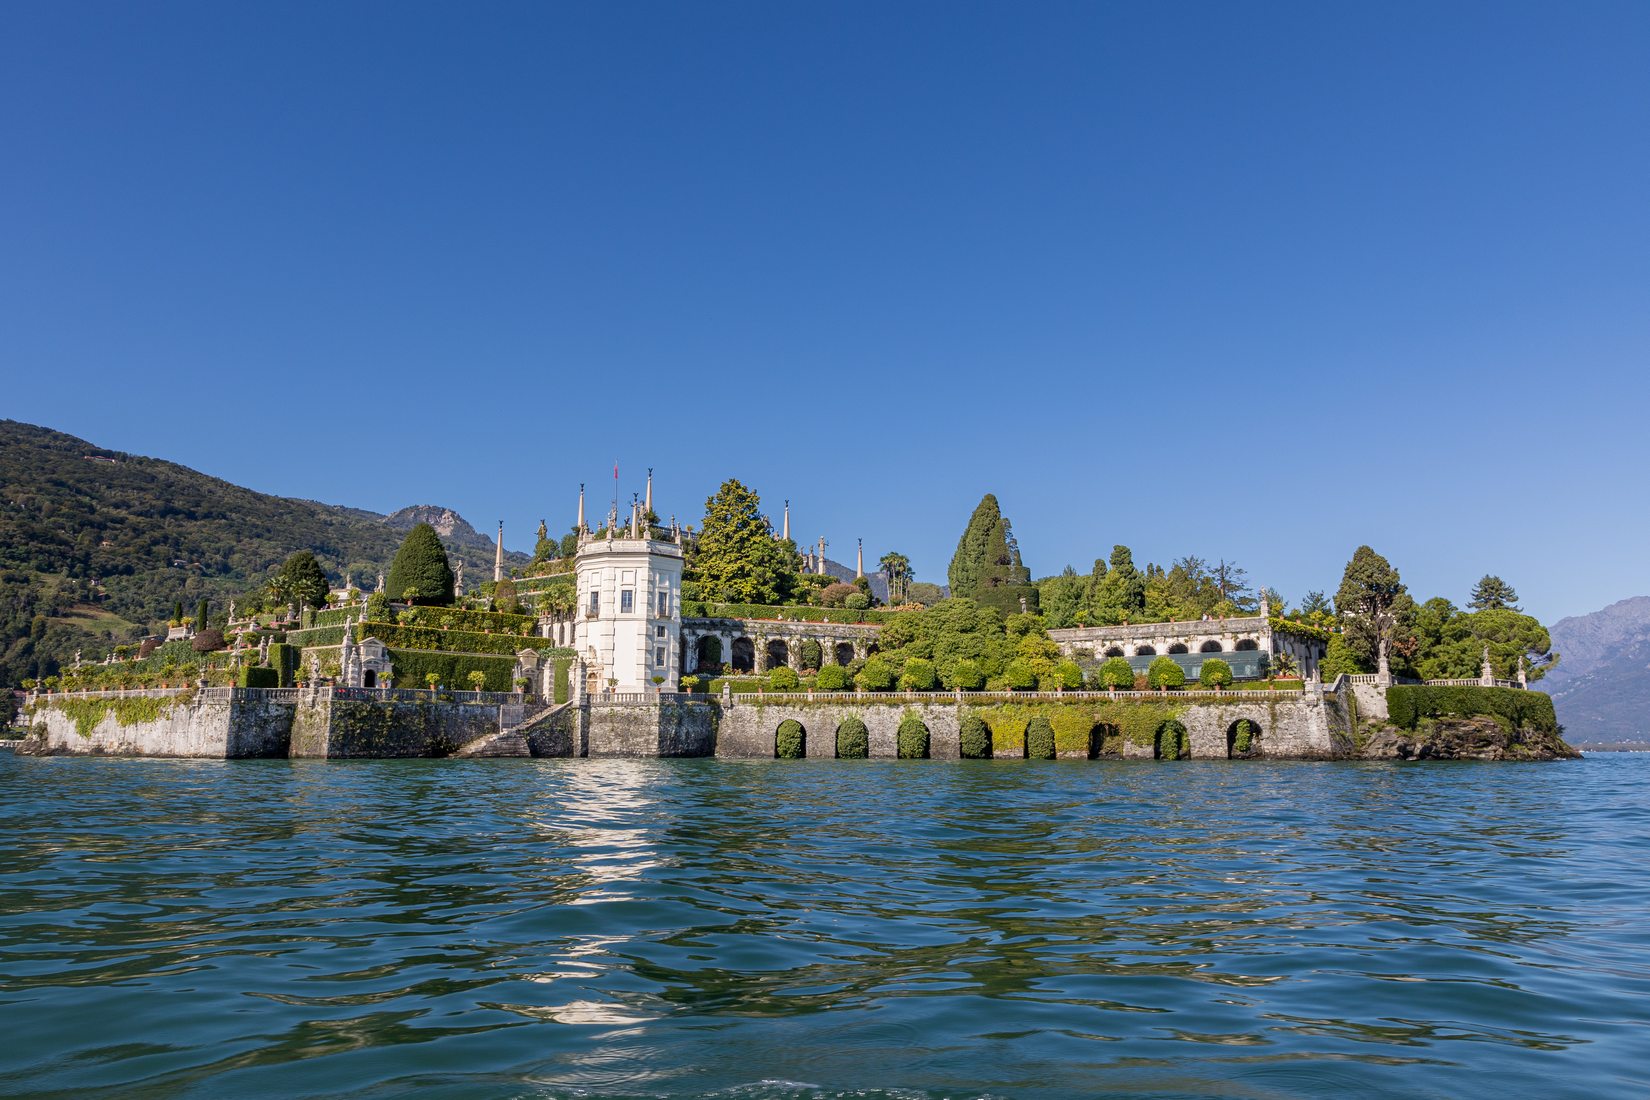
973 548
987 567
421 565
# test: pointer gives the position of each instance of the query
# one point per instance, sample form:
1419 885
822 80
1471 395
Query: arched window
1247 645
1178 647
1115 651
1144 651
744 655
1210 646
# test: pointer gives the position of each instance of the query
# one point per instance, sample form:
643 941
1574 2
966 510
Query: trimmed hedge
784 679
251 676
316 636
1408 704
453 618
1165 672
1039 739
701 609
1172 742
853 740
832 678
912 739
1215 673
411 666
974 738
790 742
398 636
283 658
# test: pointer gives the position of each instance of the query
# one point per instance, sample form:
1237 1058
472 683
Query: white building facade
628 619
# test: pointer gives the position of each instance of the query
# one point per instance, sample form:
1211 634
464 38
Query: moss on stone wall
87 714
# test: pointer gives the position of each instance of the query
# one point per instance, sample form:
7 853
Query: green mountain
96 546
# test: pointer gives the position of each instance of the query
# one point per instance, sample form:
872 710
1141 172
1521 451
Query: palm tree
897 568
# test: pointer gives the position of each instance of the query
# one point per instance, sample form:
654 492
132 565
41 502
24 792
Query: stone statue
380 580
314 668
231 610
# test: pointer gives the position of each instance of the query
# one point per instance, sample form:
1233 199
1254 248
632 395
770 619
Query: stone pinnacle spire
785 533
859 562
498 554
580 526
649 506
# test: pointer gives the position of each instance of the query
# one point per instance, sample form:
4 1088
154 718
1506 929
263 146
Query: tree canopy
987 567
737 559
421 566
1492 593
300 581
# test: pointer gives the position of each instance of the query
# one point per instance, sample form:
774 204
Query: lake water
818 929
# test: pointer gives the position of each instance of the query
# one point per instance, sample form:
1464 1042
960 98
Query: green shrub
919 675
1408 704
832 678
1115 672
406 636
835 595
1069 675
790 741
912 738
1019 675
974 738
1243 738
877 675
1171 741
420 572
1040 739
413 667
783 679
283 658
853 740
809 654
966 675
856 601
1215 673
251 676
1165 673
458 618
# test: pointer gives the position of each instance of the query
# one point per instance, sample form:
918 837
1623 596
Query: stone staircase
512 740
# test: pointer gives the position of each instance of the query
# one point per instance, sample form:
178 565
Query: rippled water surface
674 928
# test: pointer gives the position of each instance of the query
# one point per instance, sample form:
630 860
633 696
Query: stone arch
790 740
1211 646
779 654
1247 645
1145 651
1170 742
1243 739
707 653
1115 651
1105 740
844 653
744 655
1178 647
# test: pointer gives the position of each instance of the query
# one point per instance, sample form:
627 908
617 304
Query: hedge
251 676
832 678
453 668
317 636
974 738
1408 704
1039 739
1215 673
853 740
784 679
912 739
1172 742
453 618
702 609
397 635
1137 720
791 741
283 658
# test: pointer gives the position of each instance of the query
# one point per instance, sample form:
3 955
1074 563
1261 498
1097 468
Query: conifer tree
969 562
987 566
1493 594
300 581
1122 593
421 565
737 558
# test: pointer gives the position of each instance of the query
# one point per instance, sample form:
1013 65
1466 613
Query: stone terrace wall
384 728
220 728
669 728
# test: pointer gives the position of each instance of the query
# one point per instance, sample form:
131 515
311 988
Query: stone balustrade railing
977 697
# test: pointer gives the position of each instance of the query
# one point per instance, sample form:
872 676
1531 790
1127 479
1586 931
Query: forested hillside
97 545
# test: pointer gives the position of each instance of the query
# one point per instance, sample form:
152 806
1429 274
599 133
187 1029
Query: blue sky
1254 281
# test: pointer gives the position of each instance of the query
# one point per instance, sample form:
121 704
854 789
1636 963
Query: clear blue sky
1264 280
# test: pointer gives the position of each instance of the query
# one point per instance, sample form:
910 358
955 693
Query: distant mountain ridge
1601 687
96 545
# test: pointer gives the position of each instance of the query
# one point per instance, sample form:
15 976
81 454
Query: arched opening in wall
845 653
744 655
1243 739
1210 646
369 678
779 654
1115 651
1171 742
1247 645
1145 651
853 740
872 649
1178 647
707 654
1105 741
790 740
911 740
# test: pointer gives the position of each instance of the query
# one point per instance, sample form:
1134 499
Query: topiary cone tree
421 566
